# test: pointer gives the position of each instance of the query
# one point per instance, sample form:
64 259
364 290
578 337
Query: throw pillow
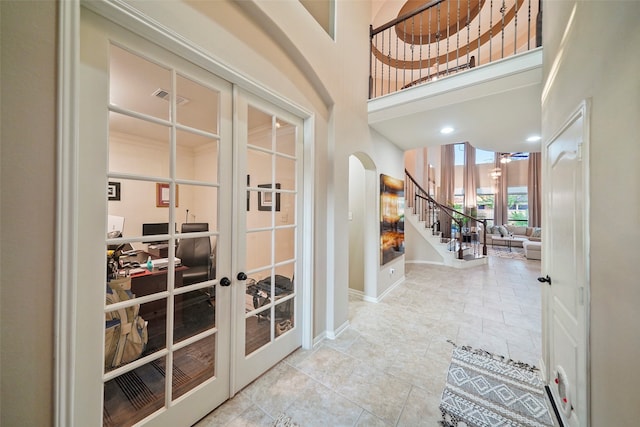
503 230
537 232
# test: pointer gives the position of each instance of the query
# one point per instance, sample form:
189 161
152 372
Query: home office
179 222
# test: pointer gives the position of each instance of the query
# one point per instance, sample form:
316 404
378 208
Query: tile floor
389 367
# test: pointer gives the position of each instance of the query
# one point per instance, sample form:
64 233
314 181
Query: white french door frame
66 405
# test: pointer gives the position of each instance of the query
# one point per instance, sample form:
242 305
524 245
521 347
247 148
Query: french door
197 294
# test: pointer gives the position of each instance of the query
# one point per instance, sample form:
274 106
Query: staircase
427 241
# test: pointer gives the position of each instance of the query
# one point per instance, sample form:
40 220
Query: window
517 204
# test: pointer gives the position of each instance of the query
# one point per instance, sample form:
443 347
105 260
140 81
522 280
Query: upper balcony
478 61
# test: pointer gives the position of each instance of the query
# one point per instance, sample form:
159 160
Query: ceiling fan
507 157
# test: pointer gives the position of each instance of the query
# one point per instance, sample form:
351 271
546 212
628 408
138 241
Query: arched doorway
363 261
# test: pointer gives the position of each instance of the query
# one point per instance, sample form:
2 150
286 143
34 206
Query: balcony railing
444 37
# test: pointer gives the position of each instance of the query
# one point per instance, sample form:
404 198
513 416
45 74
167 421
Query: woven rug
503 252
284 421
487 390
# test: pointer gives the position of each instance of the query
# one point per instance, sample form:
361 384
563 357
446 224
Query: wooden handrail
374 31
450 212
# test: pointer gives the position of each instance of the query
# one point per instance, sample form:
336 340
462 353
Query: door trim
582 111
66 280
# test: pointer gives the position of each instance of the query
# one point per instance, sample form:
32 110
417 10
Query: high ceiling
494 107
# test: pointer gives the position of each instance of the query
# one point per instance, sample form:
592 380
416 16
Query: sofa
532 250
533 234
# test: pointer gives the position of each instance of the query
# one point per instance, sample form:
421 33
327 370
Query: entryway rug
284 421
485 390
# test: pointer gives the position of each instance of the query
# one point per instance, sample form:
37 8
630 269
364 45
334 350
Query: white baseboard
390 288
361 295
356 294
318 340
332 335
424 262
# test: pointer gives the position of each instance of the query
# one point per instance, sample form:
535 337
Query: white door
157 132
565 262
268 237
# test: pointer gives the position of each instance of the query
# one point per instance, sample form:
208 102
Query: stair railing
444 37
429 210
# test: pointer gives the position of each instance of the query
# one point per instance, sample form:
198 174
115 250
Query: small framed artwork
113 191
162 194
266 198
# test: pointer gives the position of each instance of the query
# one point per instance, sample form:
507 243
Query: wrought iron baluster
375 66
503 8
371 72
382 68
429 47
490 30
398 56
529 26
413 44
448 33
389 60
458 37
438 44
420 69
479 29
469 27
404 55
515 30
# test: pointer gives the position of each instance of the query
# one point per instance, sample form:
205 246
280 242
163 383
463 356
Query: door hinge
579 151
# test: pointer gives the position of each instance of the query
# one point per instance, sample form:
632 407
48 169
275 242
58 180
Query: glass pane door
269 255
166 321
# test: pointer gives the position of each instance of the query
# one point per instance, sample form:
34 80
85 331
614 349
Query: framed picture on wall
163 193
266 198
113 191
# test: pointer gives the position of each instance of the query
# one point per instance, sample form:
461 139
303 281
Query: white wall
418 249
590 52
356 224
27 211
390 161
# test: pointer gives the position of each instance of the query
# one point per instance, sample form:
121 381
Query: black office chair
196 254
197 307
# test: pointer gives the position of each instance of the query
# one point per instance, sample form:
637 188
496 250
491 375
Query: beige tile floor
389 367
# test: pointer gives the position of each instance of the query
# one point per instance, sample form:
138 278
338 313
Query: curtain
534 190
447 176
470 181
501 206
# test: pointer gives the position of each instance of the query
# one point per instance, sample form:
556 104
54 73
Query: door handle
225 281
545 279
242 276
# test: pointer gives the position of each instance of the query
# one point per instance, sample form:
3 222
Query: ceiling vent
164 94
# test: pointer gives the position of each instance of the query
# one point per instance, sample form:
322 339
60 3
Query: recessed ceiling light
446 130
534 138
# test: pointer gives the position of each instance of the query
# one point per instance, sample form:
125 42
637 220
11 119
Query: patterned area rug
503 252
487 390
284 421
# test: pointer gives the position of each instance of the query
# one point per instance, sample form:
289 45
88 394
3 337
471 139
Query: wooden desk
155 312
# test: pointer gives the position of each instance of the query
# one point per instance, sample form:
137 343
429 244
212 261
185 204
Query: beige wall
589 53
357 213
27 211
260 41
